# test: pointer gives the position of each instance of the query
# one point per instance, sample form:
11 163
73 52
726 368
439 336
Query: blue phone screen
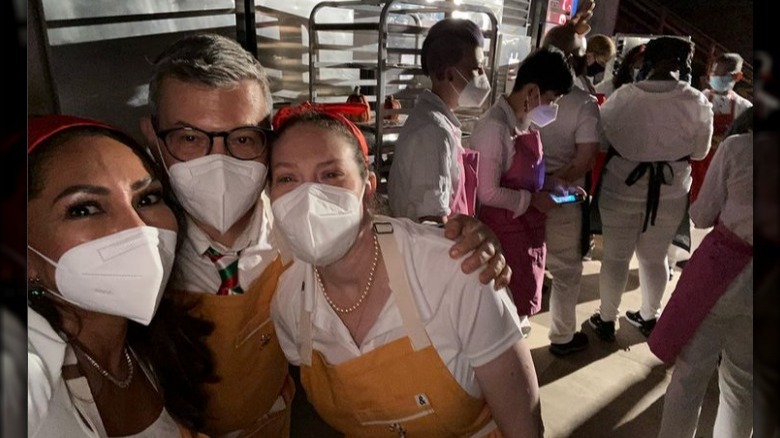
564 199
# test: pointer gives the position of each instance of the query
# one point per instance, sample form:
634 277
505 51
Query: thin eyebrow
82 188
329 162
284 164
99 190
142 183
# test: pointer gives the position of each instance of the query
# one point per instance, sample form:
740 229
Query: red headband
335 111
40 129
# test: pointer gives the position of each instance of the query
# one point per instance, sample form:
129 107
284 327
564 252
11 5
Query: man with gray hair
209 125
727 105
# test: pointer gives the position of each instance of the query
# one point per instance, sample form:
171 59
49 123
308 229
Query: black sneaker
645 327
605 330
578 343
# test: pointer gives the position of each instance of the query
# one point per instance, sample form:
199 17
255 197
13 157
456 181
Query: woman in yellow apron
101 244
392 338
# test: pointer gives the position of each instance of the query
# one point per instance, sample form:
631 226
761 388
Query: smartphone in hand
571 198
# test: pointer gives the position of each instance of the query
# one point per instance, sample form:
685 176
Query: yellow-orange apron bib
249 362
400 389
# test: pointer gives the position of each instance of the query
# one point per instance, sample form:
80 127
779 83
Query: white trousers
622 223
727 332
564 261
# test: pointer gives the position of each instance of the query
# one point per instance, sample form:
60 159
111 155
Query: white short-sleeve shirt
721 103
578 122
467 322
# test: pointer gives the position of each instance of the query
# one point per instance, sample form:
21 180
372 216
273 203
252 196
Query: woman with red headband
389 333
101 244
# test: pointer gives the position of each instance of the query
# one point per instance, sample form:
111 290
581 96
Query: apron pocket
395 413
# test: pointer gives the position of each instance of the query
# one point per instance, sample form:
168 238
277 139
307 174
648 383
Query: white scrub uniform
648 121
724 341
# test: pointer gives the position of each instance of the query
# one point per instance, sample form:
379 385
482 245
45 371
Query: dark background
730 22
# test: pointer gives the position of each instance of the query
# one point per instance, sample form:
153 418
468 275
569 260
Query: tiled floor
609 390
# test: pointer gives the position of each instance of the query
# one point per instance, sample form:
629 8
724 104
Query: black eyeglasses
188 143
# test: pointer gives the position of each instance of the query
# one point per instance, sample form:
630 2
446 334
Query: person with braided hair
655 127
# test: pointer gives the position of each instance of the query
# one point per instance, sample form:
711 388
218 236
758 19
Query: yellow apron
400 389
249 362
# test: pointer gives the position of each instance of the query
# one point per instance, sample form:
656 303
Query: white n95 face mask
122 274
543 115
217 189
475 93
319 222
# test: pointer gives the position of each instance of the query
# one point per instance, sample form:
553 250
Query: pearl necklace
365 291
120 383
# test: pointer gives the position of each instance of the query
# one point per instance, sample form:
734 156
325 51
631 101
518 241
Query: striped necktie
227 265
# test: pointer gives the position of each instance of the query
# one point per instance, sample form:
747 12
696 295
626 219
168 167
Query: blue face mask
721 84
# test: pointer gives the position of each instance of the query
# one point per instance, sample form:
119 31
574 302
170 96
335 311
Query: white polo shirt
467 322
578 122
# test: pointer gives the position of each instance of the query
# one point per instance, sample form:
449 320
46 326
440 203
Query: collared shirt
425 171
727 192
493 137
656 121
578 122
467 322
256 247
721 103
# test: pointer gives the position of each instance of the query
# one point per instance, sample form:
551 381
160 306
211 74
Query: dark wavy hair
173 344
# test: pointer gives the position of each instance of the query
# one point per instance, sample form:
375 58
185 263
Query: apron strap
399 284
304 324
80 394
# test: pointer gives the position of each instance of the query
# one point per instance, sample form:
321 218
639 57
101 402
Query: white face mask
475 93
542 115
122 274
318 221
217 189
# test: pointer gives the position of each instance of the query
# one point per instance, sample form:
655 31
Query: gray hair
209 59
732 61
